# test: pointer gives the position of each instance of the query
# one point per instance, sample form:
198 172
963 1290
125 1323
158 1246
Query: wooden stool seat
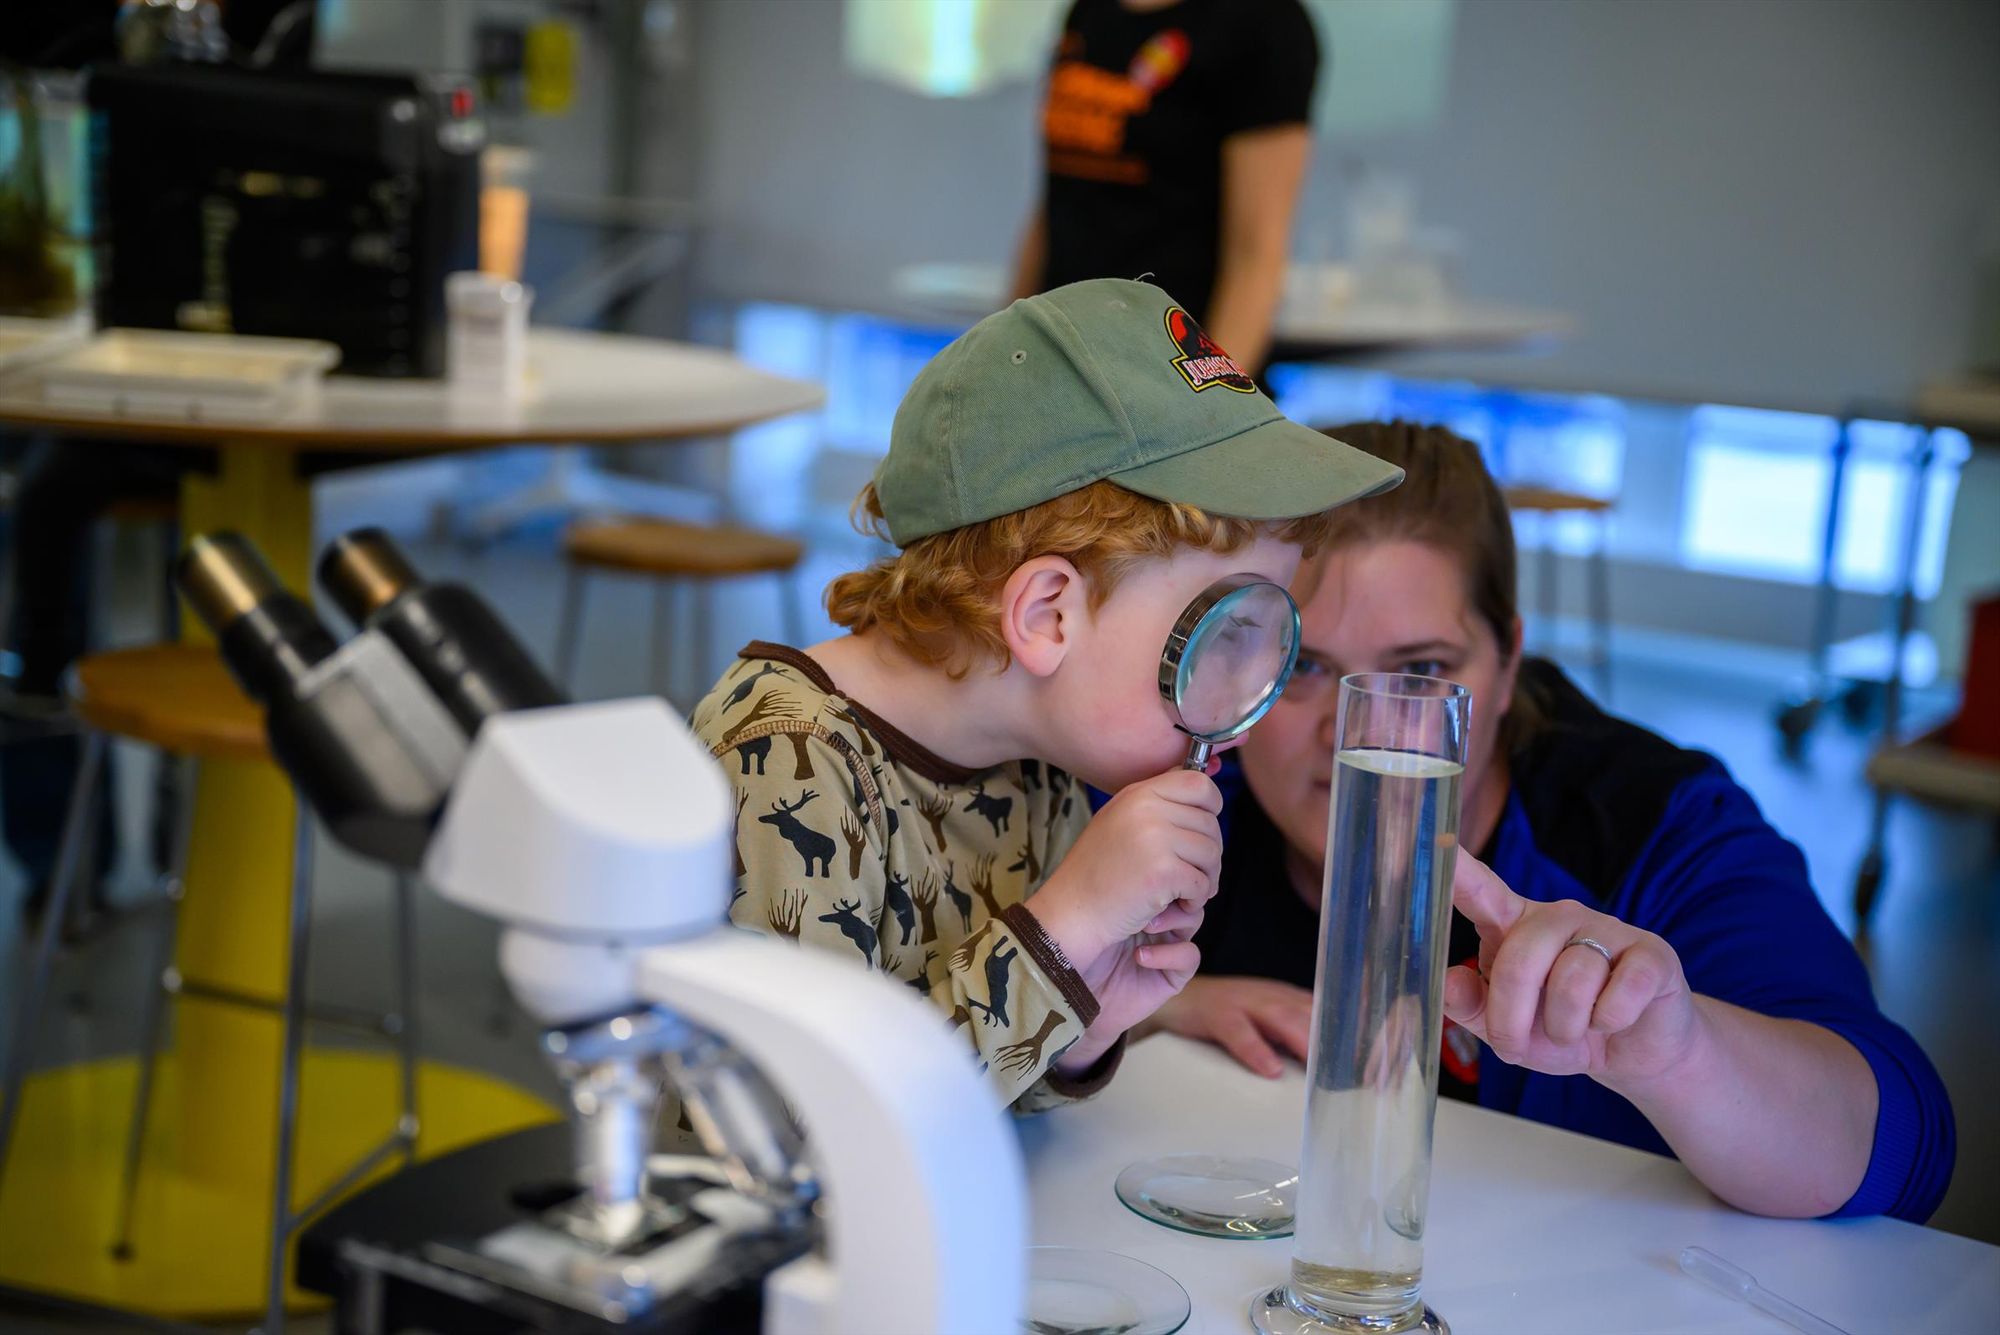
1549 503
1551 500
666 549
177 697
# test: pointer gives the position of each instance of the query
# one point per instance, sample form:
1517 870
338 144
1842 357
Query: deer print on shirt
786 916
962 957
888 810
846 915
857 838
757 749
770 705
846 715
959 899
1031 775
921 984
934 809
736 832
995 1005
1028 862
896 898
1026 1055
995 809
813 848
748 684
927 900
982 885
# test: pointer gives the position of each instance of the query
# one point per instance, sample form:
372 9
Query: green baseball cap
1105 380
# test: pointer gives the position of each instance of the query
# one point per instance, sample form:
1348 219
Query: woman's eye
1310 667
1424 667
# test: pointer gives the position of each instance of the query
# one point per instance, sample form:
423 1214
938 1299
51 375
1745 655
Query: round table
204 1204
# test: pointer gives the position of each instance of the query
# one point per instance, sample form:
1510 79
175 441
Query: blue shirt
1602 811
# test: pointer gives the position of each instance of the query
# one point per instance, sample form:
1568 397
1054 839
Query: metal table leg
1874 862
1797 716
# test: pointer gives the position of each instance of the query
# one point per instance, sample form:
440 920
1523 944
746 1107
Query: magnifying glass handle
1197 756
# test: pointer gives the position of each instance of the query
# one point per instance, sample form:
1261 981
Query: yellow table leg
234 919
203 1218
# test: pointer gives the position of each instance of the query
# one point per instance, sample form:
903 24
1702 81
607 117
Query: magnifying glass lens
1235 660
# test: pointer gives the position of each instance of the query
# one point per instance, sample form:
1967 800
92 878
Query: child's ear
1041 613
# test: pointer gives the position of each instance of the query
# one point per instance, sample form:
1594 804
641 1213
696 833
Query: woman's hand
1255 1020
1563 1009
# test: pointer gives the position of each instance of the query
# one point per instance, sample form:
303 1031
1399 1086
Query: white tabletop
1531 1228
582 386
969 290
1352 328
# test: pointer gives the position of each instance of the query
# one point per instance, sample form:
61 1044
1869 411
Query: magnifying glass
1227 660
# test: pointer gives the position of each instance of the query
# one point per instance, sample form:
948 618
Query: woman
1638 954
1174 142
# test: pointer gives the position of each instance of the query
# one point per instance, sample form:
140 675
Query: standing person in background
1175 139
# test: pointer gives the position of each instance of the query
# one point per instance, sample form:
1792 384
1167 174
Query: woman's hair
1449 501
939 598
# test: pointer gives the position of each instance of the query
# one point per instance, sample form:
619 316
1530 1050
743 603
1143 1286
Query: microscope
855 1174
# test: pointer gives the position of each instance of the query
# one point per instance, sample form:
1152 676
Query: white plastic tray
25 341
199 377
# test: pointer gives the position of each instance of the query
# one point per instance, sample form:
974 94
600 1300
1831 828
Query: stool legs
406 1011
1547 583
665 679
68 860
701 648
792 594
569 627
288 1073
160 987
1600 602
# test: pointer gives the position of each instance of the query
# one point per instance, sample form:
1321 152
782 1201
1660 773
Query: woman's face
1387 606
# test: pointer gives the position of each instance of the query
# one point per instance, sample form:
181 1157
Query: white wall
1772 201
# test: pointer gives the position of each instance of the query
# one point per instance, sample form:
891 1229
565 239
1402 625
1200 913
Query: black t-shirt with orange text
1138 106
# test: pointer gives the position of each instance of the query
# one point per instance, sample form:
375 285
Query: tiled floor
1932 949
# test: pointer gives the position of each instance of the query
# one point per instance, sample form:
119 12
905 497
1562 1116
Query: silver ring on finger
1592 943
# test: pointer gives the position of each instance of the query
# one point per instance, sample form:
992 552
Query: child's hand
1130 982
1259 1021
1147 862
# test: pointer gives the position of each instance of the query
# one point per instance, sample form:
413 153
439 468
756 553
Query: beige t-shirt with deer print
852 837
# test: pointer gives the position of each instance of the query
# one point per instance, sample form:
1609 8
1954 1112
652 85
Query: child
1062 481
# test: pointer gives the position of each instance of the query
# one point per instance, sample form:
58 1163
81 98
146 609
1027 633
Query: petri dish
1212 1195
1078 1291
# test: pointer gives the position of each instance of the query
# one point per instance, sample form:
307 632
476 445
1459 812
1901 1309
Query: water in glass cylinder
1385 918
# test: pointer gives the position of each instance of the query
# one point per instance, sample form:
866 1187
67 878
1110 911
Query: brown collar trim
906 749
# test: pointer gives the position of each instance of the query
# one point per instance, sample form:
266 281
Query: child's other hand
1131 981
1147 862
1258 1021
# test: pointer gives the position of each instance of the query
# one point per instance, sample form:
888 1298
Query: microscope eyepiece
364 573
268 636
470 659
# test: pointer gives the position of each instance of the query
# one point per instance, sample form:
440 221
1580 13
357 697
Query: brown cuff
1094 1079
1043 950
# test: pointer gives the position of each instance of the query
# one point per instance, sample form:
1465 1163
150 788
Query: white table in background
1334 331
1531 1228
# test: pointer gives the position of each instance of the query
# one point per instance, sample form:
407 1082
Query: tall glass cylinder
1372 1073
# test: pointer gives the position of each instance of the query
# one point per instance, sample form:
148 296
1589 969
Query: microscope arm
923 1206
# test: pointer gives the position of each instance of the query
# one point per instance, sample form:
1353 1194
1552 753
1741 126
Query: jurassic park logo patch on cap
1202 362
